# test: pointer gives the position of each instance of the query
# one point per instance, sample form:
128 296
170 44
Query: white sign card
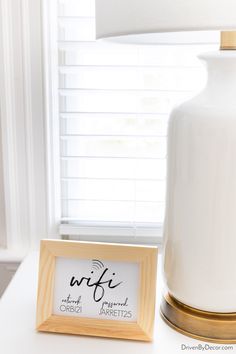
96 288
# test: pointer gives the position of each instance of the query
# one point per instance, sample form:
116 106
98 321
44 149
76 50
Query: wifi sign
97 265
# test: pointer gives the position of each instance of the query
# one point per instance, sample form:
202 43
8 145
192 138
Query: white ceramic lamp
200 221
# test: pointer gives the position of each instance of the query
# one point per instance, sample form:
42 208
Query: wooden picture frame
145 257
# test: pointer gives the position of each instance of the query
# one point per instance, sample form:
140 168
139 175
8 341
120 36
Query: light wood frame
146 256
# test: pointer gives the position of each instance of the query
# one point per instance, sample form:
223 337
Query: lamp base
207 326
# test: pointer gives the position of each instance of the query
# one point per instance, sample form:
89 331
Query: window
112 108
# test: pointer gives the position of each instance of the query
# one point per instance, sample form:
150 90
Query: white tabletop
18 334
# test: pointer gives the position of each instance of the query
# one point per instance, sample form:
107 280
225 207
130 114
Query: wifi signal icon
96 264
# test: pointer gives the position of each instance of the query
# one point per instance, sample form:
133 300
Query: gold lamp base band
228 40
207 326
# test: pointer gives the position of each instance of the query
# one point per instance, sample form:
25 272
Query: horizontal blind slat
75 17
138 92
142 102
76 7
113 124
65 179
135 136
114 211
102 53
99 157
148 79
114 190
118 200
111 146
113 168
82 29
172 68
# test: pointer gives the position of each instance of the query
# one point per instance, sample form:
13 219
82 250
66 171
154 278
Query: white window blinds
114 102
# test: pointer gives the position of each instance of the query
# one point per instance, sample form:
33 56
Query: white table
18 334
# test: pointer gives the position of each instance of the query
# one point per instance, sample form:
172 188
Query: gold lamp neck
228 40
